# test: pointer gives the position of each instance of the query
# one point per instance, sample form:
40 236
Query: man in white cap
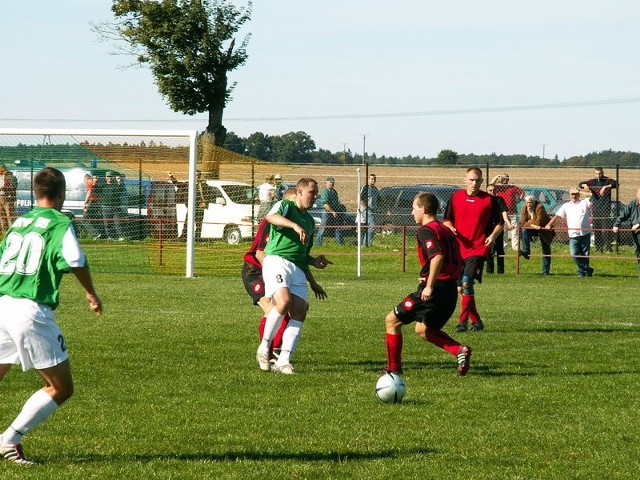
577 213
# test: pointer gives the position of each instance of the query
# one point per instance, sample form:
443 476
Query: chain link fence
127 195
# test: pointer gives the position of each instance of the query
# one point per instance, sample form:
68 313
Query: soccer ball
390 388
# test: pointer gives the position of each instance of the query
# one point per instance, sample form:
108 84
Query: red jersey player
433 303
474 217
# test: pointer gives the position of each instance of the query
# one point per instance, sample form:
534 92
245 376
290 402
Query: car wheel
232 235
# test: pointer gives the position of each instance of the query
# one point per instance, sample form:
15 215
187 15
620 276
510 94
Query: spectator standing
631 214
369 200
332 215
8 191
497 249
577 214
182 198
266 195
91 209
204 196
279 189
511 195
474 217
602 221
533 219
111 203
182 189
434 301
30 336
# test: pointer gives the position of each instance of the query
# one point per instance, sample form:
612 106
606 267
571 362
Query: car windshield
240 194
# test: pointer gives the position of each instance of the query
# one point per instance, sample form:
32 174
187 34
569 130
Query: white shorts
278 273
29 335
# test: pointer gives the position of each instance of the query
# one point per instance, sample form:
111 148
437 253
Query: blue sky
412 77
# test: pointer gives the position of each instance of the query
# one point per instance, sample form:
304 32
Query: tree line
300 148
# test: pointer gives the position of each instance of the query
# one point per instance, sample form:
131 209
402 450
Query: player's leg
465 288
407 311
435 313
393 341
473 272
38 343
292 334
297 312
58 388
282 299
276 273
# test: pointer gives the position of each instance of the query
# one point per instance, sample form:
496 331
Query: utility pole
364 146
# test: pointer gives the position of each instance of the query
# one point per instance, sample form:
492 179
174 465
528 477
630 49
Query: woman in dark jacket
533 219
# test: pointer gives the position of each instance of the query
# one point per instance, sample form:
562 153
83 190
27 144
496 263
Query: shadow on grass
233 456
586 330
375 367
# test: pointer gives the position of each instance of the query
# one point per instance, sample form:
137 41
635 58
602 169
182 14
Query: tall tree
447 157
293 147
258 145
190 48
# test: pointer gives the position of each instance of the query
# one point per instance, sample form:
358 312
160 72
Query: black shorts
435 312
472 267
253 282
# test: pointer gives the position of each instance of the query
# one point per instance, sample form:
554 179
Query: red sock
474 316
442 340
263 320
394 352
277 338
464 308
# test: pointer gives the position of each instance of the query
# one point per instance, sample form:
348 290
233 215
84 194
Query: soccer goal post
133 194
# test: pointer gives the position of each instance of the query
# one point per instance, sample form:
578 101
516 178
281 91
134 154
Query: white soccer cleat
287 368
263 361
15 454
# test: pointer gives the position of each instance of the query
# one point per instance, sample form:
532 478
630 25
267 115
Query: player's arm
280 220
449 218
435 264
319 262
84 277
315 287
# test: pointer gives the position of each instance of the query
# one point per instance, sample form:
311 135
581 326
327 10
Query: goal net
132 195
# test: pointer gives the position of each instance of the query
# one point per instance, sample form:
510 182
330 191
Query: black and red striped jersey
436 239
259 242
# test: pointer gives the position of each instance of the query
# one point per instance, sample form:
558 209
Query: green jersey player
37 250
285 270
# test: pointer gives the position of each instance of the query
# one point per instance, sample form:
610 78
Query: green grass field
167 386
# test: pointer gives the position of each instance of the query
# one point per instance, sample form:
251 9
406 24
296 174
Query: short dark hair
429 202
49 183
304 182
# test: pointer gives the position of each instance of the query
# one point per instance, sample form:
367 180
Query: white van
231 215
